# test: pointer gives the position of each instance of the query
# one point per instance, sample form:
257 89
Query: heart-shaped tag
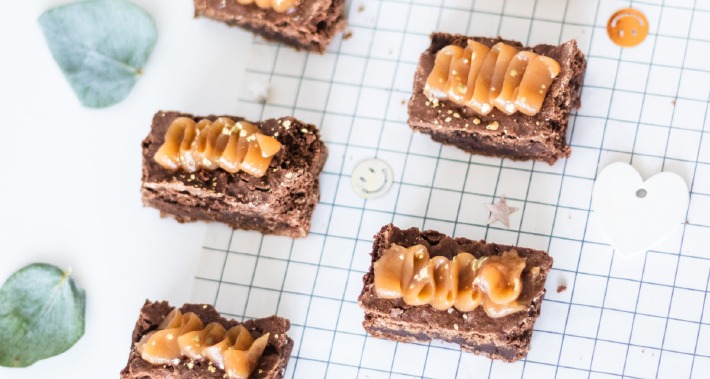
637 215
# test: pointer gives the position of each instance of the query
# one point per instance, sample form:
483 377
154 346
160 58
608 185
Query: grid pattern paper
647 316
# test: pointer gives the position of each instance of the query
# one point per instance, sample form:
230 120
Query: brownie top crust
554 113
271 364
439 244
292 171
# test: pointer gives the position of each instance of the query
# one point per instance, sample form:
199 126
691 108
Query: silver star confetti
500 212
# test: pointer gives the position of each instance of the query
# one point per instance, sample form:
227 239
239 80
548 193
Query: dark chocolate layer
281 202
310 26
517 136
506 338
272 364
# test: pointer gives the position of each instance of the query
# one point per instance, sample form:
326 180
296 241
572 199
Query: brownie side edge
518 136
271 366
509 335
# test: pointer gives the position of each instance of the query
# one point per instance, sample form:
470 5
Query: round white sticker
371 178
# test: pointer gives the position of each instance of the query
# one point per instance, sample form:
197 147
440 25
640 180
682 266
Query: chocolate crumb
347 35
361 9
561 288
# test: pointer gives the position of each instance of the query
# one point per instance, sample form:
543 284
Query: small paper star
500 212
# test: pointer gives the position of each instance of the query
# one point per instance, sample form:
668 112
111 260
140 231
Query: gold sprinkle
449 111
493 125
465 317
304 130
450 310
287 124
448 119
190 365
456 115
211 368
476 121
170 336
456 326
513 73
461 88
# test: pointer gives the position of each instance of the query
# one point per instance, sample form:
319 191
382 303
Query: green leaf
41 315
101 47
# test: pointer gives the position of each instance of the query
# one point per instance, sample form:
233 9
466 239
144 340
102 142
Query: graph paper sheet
647 316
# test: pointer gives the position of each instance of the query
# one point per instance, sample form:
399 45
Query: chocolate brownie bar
308 25
515 136
506 338
271 365
279 202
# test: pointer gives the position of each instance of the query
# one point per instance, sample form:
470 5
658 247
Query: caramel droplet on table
627 27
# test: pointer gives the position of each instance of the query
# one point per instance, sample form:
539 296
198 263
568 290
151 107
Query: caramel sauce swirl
231 146
183 335
280 6
482 78
464 282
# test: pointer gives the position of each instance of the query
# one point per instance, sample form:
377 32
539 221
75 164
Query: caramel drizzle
183 335
231 146
280 6
463 283
482 78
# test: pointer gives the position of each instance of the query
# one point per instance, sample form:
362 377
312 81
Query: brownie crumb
347 35
361 9
561 288
396 312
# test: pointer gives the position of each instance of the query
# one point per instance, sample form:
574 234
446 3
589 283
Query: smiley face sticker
371 178
627 27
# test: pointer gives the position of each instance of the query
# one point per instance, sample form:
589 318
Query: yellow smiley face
627 27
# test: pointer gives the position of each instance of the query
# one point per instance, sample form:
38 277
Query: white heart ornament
637 215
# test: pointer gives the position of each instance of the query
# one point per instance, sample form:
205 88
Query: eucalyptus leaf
101 47
41 315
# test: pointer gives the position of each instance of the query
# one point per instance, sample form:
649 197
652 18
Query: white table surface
70 190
